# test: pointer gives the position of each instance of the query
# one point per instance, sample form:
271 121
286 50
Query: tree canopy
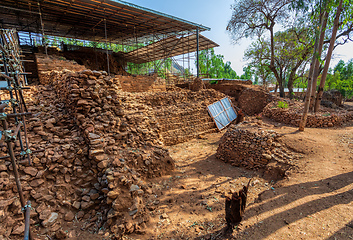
212 65
341 78
291 50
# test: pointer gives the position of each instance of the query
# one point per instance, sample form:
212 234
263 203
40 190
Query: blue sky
216 14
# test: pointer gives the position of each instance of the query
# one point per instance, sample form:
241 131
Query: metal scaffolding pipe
106 45
197 51
42 24
27 210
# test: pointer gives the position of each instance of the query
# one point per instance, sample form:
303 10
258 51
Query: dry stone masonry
248 145
325 117
101 147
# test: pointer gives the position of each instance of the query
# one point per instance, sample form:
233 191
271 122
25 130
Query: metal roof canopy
126 23
168 47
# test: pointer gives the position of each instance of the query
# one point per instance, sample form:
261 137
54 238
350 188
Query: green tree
253 17
291 51
213 65
248 73
342 78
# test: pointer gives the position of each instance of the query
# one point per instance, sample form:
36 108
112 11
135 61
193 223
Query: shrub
281 104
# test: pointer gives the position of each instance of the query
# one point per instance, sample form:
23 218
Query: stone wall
176 116
292 114
100 147
45 64
252 147
142 83
251 99
183 115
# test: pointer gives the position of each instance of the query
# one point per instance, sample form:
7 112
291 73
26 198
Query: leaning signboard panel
222 113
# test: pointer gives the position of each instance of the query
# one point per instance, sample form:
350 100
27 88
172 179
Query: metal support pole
189 56
41 23
17 177
197 51
106 45
27 220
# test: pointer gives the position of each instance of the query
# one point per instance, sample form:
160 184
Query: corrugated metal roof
169 47
86 19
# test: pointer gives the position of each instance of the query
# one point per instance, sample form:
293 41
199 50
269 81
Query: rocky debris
334 97
101 147
57 177
196 85
46 64
250 146
253 101
291 115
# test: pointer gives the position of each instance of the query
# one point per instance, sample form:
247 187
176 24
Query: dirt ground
314 202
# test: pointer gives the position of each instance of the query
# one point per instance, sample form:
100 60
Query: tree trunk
281 90
272 63
328 57
235 207
291 80
317 64
308 90
292 75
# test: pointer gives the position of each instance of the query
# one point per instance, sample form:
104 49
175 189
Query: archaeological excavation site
106 133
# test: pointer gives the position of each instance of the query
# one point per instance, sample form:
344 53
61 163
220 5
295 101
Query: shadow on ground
270 218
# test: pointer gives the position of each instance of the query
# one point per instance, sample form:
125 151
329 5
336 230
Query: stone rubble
250 146
326 117
101 145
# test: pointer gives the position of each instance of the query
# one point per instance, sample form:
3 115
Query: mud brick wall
333 96
228 89
142 83
231 88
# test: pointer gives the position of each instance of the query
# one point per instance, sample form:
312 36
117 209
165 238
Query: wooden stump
235 207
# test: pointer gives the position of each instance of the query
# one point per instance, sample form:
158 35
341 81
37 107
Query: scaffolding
13 111
136 28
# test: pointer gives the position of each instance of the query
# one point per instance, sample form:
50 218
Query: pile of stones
292 113
250 146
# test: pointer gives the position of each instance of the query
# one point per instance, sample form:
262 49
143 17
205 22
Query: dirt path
315 202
